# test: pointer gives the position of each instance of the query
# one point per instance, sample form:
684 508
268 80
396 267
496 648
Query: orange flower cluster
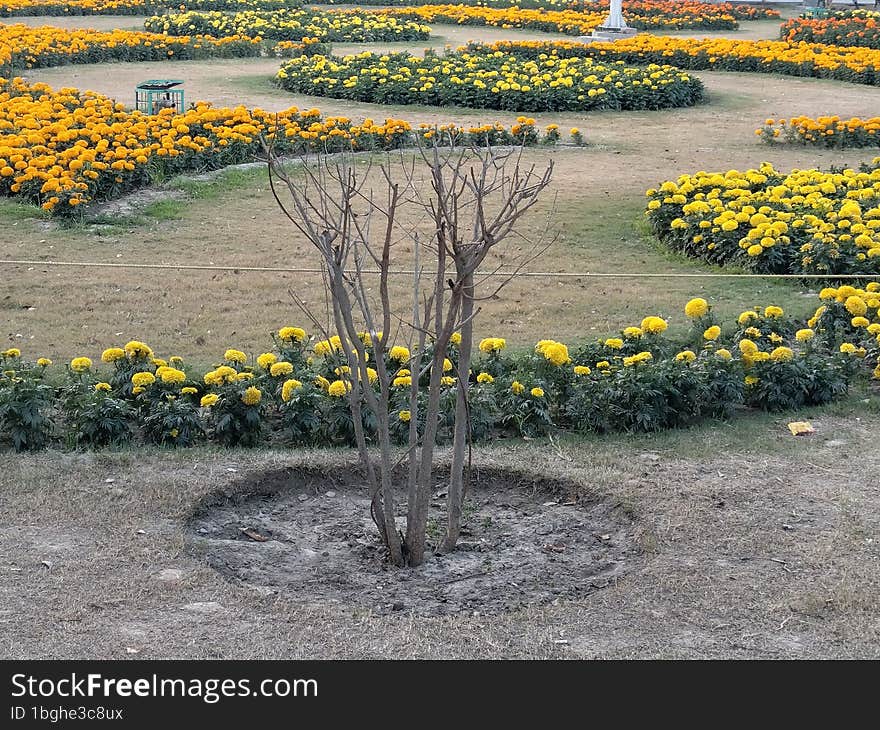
22 46
823 131
849 28
62 149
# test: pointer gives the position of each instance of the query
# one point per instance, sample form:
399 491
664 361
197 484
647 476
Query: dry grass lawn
756 545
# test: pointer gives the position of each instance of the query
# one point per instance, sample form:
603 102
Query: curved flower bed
10 8
803 222
23 47
847 28
64 149
699 14
639 13
297 392
570 22
492 80
853 64
334 25
832 132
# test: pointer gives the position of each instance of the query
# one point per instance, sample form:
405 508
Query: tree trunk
461 436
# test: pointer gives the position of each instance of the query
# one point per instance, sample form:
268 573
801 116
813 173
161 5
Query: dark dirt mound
527 540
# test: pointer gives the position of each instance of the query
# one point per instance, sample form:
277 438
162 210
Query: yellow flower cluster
491 79
127 7
807 221
554 352
292 25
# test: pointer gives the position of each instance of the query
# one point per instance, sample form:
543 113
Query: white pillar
615 20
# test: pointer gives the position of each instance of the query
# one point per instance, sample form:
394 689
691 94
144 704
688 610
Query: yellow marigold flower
856 306
11 352
404 416
338 388
712 333
80 364
773 311
372 375
112 354
747 347
44 362
138 389
266 360
252 396
402 381
554 352
603 364
654 325
873 286
103 387
686 356
447 365
288 388
175 360
455 338
322 382
537 392
614 343
447 381
782 354
747 316
280 369
243 376
804 335
873 329
723 353
492 344
752 380
236 356
485 378
828 293
696 307
159 362
172 375
143 379
847 348
517 387
399 353
209 400
859 322
582 370
135 349
288 334
632 332
189 390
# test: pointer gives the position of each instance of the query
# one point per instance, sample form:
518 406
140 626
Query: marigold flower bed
803 222
25 47
333 25
10 8
639 13
62 149
491 80
297 392
847 28
853 64
832 132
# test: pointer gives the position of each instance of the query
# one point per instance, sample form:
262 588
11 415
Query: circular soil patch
527 541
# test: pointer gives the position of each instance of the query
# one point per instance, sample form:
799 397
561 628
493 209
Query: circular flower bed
803 222
491 80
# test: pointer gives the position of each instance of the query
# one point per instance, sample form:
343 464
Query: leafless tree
450 206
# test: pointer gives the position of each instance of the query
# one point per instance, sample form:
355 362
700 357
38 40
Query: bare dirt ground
753 544
529 541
